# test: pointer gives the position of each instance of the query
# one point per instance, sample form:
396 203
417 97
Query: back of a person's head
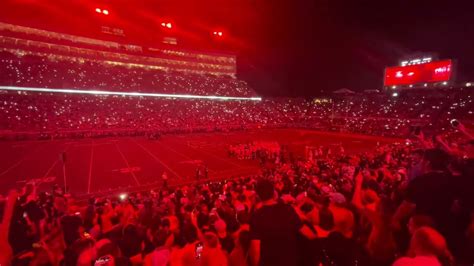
160 237
264 189
426 241
343 220
243 217
190 233
437 159
106 247
211 240
130 230
326 219
417 221
244 239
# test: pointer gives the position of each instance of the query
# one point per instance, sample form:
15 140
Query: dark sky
309 46
284 47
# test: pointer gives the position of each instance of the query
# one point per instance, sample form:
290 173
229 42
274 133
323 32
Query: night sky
332 44
284 47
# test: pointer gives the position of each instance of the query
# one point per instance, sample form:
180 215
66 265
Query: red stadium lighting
220 33
98 10
168 25
105 12
163 24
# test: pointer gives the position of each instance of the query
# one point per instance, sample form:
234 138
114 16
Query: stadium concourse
116 154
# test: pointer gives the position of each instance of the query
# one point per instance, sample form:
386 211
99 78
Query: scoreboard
432 72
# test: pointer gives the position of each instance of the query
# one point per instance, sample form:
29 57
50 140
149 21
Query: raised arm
6 252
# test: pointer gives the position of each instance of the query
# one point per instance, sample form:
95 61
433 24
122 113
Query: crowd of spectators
368 113
67 115
407 203
255 149
27 70
61 114
401 204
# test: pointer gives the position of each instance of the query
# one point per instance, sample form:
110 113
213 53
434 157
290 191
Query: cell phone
454 123
198 250
102 261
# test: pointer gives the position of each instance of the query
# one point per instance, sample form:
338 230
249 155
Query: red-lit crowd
31 114
256 150
401 204
52 115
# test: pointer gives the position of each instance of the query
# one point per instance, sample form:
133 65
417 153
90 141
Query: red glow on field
437 71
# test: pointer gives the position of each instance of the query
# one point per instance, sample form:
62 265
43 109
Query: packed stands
54 112
374 208
67 47
51 72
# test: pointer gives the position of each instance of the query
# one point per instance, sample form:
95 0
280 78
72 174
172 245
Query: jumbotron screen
436 71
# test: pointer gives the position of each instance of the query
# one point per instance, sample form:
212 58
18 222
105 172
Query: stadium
157 135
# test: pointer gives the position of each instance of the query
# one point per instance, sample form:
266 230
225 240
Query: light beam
132 94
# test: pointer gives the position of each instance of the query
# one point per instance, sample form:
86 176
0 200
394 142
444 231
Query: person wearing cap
212 254
225 239
432 194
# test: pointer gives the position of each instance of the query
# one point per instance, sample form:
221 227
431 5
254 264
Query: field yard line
157 159
127 164
20 161
179 153
217 157
90 169
68 145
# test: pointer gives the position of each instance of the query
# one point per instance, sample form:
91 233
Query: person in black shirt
274 229
433 193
